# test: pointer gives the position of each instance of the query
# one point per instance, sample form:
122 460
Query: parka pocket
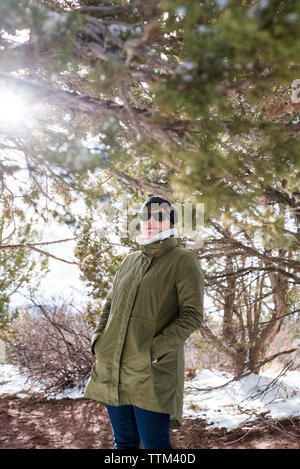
158 359
164 371
151 358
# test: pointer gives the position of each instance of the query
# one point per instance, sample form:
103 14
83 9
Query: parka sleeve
104 314
102 320
190 291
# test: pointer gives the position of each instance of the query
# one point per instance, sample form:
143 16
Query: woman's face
154 226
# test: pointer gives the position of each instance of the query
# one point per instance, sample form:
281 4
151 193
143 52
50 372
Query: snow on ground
242 400
227 406
12 381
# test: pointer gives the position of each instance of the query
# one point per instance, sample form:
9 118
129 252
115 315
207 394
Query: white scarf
159 236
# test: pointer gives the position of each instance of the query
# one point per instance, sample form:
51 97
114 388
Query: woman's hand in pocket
153 360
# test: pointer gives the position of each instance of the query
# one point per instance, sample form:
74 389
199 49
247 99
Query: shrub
52 343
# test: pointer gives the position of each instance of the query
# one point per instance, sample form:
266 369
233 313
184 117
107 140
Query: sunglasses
158 216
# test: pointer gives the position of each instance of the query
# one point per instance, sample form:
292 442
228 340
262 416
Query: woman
155 304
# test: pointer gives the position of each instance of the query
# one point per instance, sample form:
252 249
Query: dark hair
164 202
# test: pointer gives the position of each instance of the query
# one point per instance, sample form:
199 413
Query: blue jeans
132 424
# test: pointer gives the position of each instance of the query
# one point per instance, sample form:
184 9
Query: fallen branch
263 423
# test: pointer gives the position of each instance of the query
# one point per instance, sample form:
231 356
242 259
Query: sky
63 279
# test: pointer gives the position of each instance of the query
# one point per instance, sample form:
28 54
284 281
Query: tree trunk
258 352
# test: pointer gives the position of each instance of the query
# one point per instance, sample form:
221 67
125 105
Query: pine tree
193 101
202 87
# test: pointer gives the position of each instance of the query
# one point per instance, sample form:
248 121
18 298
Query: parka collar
158 248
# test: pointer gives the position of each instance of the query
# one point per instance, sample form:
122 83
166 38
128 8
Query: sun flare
12 109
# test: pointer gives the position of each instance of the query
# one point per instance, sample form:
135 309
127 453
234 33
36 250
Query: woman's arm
102 320
190 290
105 313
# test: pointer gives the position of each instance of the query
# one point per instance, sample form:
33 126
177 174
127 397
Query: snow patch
232 404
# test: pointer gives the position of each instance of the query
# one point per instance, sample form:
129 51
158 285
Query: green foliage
234 57
103 243
52 35
228 60
208 92
99 263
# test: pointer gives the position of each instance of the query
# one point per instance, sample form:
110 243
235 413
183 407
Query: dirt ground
37 423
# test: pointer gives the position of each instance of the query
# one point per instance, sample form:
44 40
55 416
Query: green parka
155 304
